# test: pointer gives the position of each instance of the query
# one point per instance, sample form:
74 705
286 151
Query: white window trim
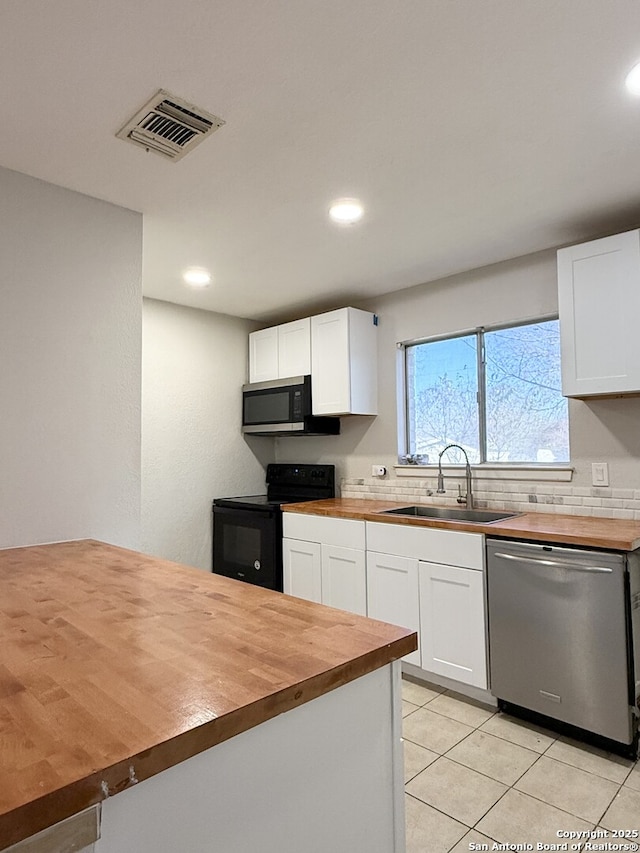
487 471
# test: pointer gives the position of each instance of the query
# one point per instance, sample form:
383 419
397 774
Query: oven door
247 545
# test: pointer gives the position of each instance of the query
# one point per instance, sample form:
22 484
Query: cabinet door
599 303
263 355
302 569
344 579
392 593
452 623
294 348
330 377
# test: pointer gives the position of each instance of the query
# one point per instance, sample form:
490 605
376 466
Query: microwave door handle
575 567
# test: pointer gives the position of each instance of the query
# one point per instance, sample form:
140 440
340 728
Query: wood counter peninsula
199 712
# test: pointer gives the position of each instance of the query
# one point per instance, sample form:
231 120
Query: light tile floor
475 776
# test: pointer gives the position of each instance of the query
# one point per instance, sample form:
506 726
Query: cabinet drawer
450 547
342 532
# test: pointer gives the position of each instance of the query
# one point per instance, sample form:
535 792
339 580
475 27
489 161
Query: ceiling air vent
169 126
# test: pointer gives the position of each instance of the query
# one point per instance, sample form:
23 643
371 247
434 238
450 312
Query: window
496 392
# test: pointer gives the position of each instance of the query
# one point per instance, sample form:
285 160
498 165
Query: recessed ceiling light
632 80
346 211
197 277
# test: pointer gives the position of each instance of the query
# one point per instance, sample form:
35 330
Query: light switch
599 474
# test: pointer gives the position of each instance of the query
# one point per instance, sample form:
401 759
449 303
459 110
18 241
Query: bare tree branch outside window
525 415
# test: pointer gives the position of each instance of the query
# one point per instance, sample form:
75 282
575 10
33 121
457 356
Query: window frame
403 401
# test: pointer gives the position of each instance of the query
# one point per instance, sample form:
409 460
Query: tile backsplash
522 496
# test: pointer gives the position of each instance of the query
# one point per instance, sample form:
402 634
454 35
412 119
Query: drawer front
450 547
342 532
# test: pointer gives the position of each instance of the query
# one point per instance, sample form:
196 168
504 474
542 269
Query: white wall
70 308
600 430
194 364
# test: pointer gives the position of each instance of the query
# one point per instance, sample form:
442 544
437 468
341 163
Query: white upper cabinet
599 303
263 355
294 348
344 363
338 349
280 351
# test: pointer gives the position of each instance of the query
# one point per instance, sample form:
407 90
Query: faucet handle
461 499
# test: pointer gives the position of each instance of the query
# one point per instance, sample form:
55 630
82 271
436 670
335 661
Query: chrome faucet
468 498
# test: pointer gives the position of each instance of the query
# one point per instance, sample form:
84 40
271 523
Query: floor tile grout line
584 770
610 804
486 775
559 808
436 809
619 785
446 814
512 787
580 817
545 751
467 833
456 720
507 788
495 734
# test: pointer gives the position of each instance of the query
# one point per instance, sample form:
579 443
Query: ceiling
472 130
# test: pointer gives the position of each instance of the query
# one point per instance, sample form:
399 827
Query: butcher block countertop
589 531
115 666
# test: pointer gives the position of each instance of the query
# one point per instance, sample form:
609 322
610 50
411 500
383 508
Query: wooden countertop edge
528 525
41 813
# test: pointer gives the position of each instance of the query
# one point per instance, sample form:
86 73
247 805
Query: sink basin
479 516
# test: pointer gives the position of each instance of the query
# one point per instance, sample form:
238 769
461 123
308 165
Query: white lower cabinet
432 581
392 593
302 568
426 579
324 561
344 579
452 623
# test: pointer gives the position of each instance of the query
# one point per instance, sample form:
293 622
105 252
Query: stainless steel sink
479 516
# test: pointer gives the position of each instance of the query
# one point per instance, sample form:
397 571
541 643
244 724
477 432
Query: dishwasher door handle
576 567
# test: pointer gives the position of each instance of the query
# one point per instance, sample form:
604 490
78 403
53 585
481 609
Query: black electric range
247 530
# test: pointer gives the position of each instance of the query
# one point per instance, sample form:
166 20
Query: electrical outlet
378 471
599 474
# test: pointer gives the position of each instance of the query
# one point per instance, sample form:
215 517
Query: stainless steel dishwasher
563 623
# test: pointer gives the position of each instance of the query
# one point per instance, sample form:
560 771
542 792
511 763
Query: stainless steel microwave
283 407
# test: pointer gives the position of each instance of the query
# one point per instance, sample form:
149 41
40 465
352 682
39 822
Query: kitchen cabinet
452 622
324 561
263 355
598 304
338 349
432 581
302 569
344 363
392 593
344 579
280 351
